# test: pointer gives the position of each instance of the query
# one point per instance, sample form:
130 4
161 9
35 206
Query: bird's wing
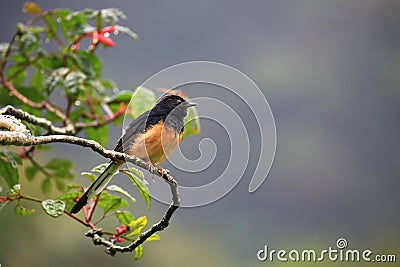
136 127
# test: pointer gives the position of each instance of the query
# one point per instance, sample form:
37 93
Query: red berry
120 239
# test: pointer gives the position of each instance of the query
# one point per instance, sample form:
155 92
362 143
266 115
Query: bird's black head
173 105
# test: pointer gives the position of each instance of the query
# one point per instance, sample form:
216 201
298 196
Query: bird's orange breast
156 143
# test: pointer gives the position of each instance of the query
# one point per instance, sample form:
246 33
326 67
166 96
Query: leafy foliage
31 75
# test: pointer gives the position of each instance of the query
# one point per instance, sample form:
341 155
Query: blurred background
331 73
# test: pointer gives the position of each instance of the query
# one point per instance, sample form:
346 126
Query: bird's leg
162 171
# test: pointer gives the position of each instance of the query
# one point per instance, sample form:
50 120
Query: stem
93 208
7 54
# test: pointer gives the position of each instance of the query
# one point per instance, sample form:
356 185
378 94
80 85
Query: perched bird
151 137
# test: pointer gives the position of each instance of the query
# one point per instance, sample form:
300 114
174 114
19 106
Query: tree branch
25 139
46 124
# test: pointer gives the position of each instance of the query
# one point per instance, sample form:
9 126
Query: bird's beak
190 104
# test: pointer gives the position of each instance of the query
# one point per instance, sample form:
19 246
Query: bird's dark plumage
151 136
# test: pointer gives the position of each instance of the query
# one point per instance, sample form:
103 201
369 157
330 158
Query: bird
152 136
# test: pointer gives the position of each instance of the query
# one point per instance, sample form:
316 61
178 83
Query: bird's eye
178 101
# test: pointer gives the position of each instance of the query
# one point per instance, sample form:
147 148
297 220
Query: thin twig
44 104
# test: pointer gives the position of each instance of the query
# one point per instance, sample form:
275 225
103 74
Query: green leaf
88 63
46 185
76 114
138 252
121 96
61 168
29 28
192 123
73 186
89 175
60 184
124 217
54 208
153 237
127 31
51 62
69 199
136 226
73 83
22 211
51 26
100 168
37 81
8 172
112 15
109 202
109 84
116 188
55 78
141 187
30 172
99 134
143 99
136 172
18 58
12 157
73 25
16 74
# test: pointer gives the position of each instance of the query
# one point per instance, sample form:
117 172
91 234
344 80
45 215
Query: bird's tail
97 186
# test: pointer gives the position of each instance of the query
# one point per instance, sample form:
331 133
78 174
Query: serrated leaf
127 31
54 208
30 172
124 217
141 187
8 172
143 99
116 188
138 252
22 211
110 202
136 226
